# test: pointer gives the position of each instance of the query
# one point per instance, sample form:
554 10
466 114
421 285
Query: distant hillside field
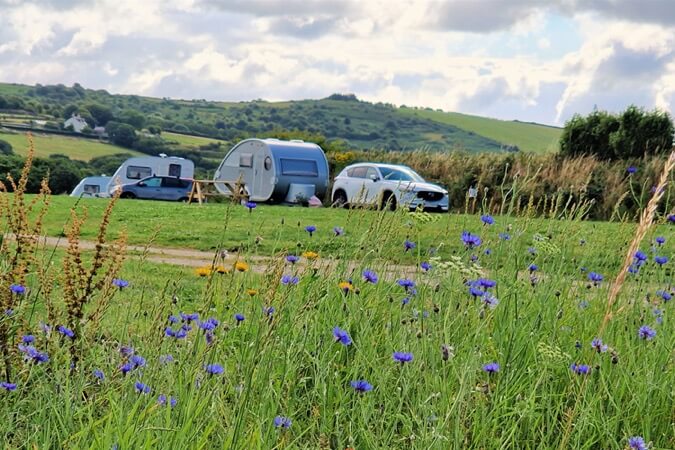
529 137
75 148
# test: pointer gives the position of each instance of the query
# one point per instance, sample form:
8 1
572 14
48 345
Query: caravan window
174 170
299 167
91 189
138 172
246 160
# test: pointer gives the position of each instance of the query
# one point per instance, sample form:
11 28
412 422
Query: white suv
387 185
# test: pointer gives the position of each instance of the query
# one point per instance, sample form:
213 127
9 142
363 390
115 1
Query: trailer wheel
340 199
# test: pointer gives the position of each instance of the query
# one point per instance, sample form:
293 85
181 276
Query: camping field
298 328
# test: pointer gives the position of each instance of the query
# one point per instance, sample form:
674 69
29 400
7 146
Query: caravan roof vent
297 140
162 155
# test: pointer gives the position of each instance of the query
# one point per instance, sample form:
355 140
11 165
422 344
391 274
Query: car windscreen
391 174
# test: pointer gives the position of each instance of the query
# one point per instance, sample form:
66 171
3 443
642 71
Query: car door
172 189
150 188
373 184
357 191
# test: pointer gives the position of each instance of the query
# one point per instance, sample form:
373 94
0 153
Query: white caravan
137 168
92 187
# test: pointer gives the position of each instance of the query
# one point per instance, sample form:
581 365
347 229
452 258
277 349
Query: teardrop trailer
274 170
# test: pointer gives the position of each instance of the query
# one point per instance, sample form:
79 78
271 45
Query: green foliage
6 148
132 117
63 173
632 134
121 134
102 114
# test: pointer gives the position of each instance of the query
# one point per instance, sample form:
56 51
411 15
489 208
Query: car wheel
183 199
340 199
389 201
127 195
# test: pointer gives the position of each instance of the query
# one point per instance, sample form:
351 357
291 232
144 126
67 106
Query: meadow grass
75 148
189 141
286 362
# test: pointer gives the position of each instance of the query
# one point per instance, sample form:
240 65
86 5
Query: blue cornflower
492 367
505 236
126 351
425 266
162 400
310 229
250 205
634 268
598 346
268 310
470 240
402 357
640 256
637 443
533 268
660 240
209 324
65 331
209 337
671 218
126 368
580 369
120 283
292 259
7 386
647 333
189 317
289 280
28 339
239 317
476 292
406 283
405 301
17 289
341 336
214 369
660 260
31 353
666 296
490 300
596 278
282 422
361 386
532 250
409 245
137 361
339 231
186 327
631 170
9 312
370 276
486 283
173 319
166 359
142 388
487 251
98 374
487 219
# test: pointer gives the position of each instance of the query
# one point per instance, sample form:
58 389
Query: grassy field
505 361
189 141
74 148
528 137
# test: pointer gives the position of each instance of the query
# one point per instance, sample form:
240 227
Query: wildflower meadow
332 328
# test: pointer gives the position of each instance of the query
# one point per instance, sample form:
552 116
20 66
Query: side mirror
374 178
141 184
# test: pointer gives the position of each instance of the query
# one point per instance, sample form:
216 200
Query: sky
529 60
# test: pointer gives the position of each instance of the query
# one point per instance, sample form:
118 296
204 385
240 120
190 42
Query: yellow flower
221 269
203 271
240 266
310 255
346 286
251 292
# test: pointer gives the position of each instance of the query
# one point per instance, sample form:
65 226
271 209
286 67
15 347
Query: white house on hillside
77 122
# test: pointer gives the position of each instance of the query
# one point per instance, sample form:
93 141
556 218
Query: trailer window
91 189
268 163
138 172
174 170
246 160
299 167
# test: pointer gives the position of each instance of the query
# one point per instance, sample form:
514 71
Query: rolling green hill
340 118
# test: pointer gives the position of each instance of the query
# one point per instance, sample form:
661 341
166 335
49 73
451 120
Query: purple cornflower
289 280
580 369
640 257
492 367
476 291
666 296
637 443
505 236
486 283
634 268
531 250
341 336
46 329
209 324
28 339
409 245
533 268
65 331
361 386
487 219
282 422
31 353
470 240
310 229
292 259
126 368
268 311
17 289
405 301
209 337
402 357
631 170
660 240
370 276
142 388
166 359
596 278
9 312
646 333
660 260
162 400
189 317
339 231
137 361
239 317
598 346
671 218
406 283
425 266
98 374
214 369
490 300
120 283
251 206
173 319
7 386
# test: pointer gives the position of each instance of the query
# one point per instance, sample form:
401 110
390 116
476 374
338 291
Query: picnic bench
202 189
